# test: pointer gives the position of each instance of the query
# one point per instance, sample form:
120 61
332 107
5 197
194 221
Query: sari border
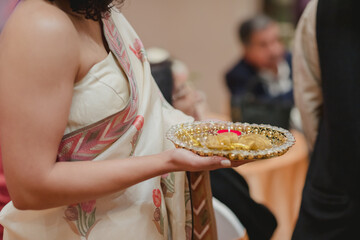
88 142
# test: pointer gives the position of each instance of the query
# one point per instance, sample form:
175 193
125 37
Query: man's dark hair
93 9
253 25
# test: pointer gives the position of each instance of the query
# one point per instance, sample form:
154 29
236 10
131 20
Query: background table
278 184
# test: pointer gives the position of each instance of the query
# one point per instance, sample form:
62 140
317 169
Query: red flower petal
157 197
88 207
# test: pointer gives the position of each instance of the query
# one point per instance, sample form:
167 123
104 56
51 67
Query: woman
82 132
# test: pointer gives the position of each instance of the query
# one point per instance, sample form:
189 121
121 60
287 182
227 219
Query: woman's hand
184 160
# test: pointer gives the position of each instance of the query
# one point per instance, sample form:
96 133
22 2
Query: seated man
261 84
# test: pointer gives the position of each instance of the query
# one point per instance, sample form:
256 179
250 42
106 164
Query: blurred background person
161 70
188 98
261 82
174 81
185 97
327 86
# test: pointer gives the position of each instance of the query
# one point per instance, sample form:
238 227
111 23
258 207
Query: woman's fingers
240 163
226 163
212 163
209 163
190 161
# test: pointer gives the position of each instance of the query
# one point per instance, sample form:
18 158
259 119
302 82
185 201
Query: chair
228 225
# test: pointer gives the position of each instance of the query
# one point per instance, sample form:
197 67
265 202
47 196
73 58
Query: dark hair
93 9
252 25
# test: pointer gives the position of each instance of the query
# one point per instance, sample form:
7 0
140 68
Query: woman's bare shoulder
41 34
38 23
39 15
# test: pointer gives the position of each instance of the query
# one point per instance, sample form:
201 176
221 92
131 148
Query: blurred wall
202 33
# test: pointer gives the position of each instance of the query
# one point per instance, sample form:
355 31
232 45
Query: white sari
117 112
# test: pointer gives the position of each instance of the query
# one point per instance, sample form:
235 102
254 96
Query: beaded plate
193 136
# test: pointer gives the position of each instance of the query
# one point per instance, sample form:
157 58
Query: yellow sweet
213 142
228 138
255 141
230 141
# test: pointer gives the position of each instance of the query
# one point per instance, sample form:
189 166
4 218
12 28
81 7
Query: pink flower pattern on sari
81 218
158 217
88 207
168 184
139 50
138 124
157 197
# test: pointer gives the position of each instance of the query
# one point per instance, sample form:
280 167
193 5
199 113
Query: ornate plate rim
234 154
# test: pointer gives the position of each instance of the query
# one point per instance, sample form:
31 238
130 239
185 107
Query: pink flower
165 175
157 197
88 207
157 214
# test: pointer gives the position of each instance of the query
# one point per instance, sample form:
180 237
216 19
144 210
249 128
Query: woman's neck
64 5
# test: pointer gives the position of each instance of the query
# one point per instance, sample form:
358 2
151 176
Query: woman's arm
39 60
